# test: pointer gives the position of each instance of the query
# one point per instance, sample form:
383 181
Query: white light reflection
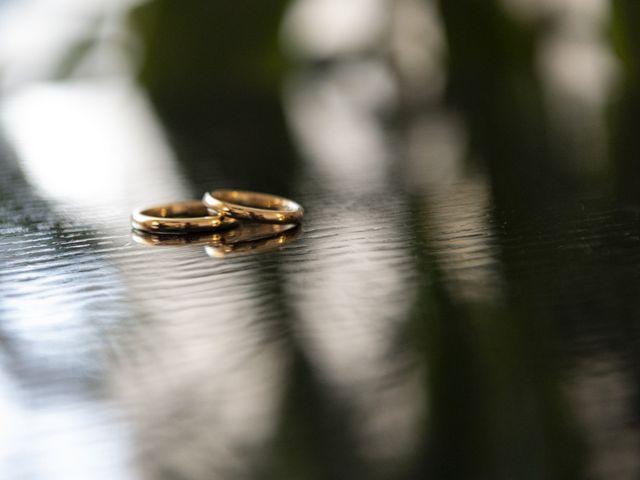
576 62
73 442
532 10
605 401
435 148
456 206
578 70
12 421
329 28
335 117
353 303
204 384
417 48
93 148
462 240
52 425
581 69
37 36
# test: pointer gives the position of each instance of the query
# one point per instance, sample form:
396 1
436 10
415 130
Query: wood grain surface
414 328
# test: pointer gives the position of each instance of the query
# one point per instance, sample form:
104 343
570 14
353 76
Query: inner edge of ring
223 205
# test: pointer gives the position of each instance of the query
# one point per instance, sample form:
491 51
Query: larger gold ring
258 207
191 216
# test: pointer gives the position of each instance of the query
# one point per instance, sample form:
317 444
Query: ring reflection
154 239
258 238
246 239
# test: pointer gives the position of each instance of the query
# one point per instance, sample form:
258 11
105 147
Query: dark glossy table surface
425 324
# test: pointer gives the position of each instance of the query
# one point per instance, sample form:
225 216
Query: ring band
178 218
259 207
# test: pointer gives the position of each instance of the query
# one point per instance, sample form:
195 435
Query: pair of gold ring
218 210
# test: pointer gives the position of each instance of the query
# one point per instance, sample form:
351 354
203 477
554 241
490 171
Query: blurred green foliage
215 70
625 119
199 50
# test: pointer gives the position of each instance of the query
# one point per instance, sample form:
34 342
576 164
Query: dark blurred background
464 302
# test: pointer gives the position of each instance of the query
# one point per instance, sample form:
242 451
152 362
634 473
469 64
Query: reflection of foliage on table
214 70
496 396
626 108
493 81
200 49
497 404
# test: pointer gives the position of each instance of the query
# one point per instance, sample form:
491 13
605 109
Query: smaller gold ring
258 207
190 216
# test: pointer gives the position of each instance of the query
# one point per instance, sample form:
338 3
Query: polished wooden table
422 325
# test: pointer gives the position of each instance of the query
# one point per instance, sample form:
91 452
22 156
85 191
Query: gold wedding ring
254 206
190 216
